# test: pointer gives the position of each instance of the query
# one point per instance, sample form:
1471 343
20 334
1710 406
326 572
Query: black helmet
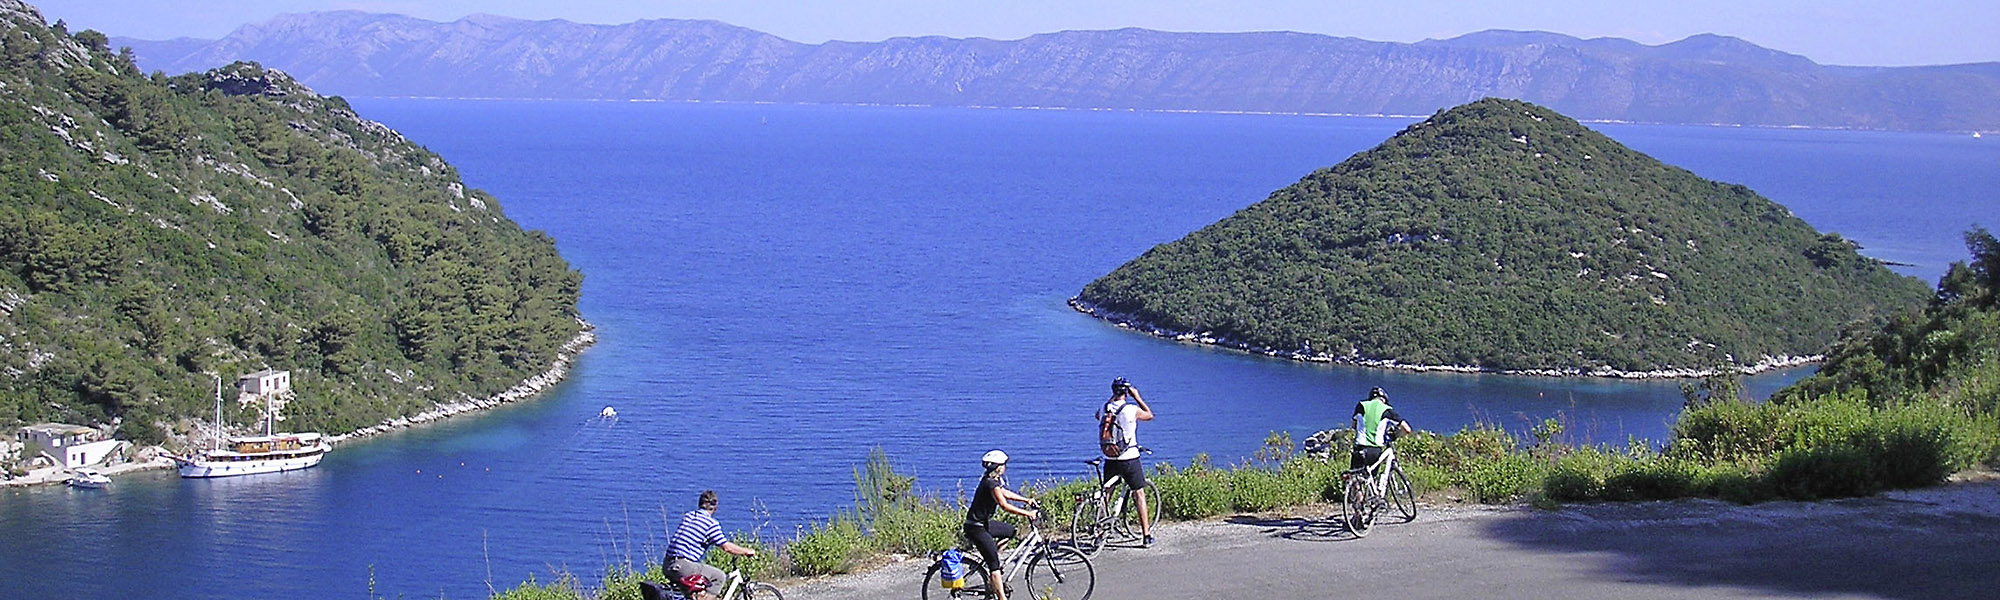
1120 384
1376 392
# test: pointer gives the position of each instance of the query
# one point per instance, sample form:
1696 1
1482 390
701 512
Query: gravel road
1938 543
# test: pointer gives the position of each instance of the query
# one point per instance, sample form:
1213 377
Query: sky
1834 32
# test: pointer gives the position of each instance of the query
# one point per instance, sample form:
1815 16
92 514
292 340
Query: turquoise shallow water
780 288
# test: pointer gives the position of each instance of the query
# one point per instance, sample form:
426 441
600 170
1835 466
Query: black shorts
1364 456
1133 472
987 538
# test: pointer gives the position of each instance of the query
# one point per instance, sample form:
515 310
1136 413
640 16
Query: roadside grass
1833 446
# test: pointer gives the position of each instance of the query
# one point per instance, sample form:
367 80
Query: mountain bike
1372 489
1050 571
740 587
1100 513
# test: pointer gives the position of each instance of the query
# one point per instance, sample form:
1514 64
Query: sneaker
1146 543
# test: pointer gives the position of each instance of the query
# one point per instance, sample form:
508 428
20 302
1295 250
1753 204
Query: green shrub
764 565
1313 479
1424 479
917 528
1570 482
1832 471
1192 494
623 584
1258 490
828 548
1726 431
1503 479
1730 482
1058 501
1651 479
563 588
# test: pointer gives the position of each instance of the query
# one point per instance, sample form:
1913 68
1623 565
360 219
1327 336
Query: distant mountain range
1705 79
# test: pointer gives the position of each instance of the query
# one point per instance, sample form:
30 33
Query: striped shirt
698 530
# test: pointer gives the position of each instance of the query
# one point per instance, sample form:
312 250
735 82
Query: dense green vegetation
1504 236
155 230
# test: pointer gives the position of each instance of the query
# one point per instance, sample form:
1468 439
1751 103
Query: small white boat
88 478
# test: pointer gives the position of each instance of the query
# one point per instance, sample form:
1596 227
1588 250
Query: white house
71 446
265 382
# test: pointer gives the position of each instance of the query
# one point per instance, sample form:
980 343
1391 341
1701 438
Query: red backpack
1109 439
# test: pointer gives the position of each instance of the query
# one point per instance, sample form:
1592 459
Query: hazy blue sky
1841 32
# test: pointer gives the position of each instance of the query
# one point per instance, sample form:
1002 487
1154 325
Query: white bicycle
1050 571
1371 490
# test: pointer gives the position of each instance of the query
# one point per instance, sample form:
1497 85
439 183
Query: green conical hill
1502 236
158 231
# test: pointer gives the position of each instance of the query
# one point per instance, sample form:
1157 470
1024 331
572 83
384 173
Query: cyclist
696 532
981 529
1126 409
1372 418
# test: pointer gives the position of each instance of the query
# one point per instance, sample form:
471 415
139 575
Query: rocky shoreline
1134 323
528 388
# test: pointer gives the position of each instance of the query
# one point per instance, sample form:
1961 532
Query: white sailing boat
268 453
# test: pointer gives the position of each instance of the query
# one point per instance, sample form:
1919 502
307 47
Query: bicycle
1051 572
1384 484
1097 515
740 587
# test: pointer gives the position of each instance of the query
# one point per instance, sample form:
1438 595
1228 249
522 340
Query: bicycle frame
1378 473
1105 487
1024 550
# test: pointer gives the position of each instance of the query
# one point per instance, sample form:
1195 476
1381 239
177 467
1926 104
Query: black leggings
1364 457
987 539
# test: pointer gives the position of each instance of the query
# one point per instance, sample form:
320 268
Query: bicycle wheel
1401 496
1086 526
1354 506
759 591
975 583
1057 573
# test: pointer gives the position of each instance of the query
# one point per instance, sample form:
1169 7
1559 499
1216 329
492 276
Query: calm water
779 288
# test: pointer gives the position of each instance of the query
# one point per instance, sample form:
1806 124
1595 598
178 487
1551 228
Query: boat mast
218 412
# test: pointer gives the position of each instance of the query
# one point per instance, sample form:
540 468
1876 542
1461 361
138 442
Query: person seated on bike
1371 429
982 529
685 551
1126 409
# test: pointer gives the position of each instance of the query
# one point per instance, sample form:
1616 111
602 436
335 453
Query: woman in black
986 533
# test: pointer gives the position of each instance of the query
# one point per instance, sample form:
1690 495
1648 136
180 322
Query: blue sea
779 289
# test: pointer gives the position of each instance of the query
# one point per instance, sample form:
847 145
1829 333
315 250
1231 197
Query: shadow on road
1330 529
1868 546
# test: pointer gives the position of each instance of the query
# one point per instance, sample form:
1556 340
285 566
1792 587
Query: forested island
1501 236
159 231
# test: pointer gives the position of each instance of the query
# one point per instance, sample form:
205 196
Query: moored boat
260 454
88 478
268 453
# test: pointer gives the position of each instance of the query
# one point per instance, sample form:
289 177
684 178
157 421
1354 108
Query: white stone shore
1132 322
528 388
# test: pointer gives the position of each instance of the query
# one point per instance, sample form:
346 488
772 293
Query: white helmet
993 459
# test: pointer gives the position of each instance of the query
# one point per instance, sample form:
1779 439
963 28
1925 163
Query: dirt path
1928 544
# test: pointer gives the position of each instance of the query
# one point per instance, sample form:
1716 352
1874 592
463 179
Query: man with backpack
1118 439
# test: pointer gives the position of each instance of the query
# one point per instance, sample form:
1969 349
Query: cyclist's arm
1401 423
1006 498
1145 411
732 548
